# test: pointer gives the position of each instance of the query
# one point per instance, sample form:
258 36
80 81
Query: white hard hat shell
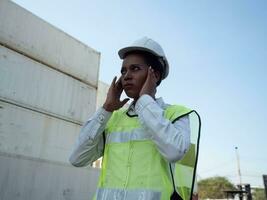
148 45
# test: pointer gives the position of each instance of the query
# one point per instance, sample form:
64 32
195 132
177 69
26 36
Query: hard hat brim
122 52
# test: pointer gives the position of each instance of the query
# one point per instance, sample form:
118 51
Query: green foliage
214 187
259 194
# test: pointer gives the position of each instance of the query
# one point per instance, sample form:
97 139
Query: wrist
107 107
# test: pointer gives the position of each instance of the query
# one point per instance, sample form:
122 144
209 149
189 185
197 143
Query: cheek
140 85
142 79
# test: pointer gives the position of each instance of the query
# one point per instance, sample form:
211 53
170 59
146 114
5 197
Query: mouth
128 86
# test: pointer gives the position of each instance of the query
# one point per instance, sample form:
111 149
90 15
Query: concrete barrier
48 88
30 84
23 178
32 36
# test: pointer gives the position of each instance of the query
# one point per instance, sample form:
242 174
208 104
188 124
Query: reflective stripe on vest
138 194
134 135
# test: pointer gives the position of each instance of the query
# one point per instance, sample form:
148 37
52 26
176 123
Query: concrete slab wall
32 36
34 85
36 135
101 93
22 178
48 88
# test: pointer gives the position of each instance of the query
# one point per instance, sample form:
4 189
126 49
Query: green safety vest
133 169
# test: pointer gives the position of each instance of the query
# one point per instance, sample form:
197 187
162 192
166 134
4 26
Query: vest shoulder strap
173 112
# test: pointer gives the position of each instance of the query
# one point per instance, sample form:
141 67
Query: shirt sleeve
171 139
90 143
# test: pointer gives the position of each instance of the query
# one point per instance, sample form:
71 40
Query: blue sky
217 52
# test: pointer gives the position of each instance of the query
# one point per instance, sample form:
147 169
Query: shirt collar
131 109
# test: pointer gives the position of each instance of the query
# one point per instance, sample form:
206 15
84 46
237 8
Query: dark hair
151 60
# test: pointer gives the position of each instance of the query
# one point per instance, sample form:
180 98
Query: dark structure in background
243 190
265 184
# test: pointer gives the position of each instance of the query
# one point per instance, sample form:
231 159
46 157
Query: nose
127 75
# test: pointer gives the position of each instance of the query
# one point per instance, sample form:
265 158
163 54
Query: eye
123 71
135 68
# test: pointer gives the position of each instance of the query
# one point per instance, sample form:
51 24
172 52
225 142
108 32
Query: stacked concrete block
48 88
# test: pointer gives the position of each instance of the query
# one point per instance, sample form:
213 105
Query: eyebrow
139 65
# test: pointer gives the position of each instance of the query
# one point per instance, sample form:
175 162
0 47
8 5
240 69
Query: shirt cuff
98 120
142 102
101 115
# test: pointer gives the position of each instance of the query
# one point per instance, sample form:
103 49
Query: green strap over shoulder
173 112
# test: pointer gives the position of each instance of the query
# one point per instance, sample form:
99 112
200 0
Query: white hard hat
148 45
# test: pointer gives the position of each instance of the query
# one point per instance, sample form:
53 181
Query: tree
214 187
258 194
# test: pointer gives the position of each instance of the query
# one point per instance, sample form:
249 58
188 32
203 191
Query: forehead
133 59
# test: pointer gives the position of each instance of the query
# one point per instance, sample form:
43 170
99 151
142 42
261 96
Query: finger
119 80
118 87
153 75
118 91
118 83
114 81
150 78
148 73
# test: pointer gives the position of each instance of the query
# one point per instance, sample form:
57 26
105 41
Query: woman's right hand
113 101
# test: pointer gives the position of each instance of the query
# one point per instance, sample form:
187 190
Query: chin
131 95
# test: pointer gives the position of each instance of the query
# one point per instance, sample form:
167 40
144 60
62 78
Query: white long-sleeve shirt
172 139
